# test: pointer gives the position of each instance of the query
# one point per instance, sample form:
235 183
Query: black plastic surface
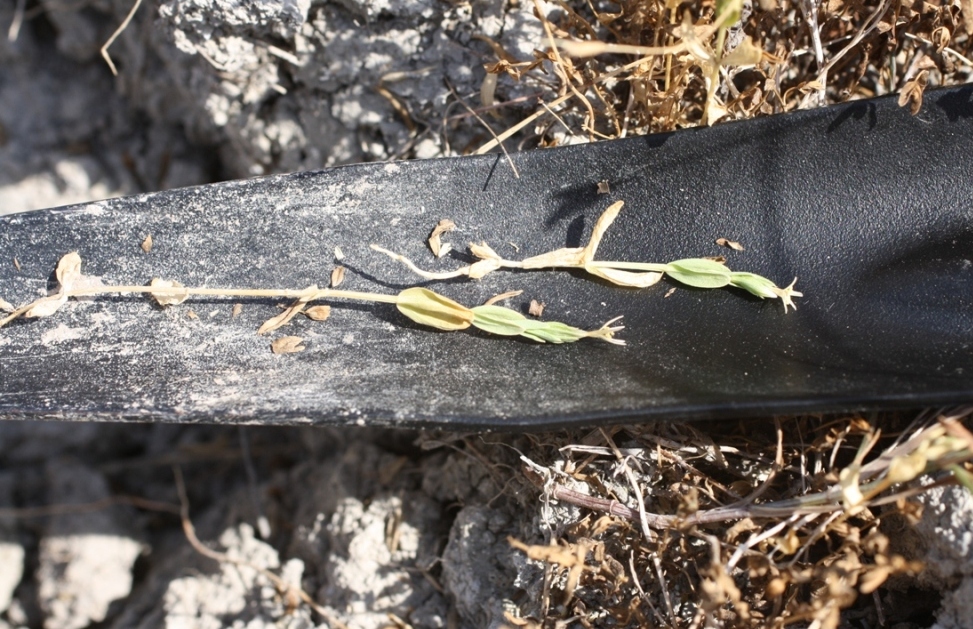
870 207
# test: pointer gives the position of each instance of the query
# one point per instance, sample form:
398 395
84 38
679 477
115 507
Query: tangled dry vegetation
647 66
752 524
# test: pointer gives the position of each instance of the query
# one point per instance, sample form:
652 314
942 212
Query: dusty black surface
870 207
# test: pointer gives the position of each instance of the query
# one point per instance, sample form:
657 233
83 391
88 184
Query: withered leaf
536 308
287 345
631 279
483 251
6 306
445 225
732 244
192 315
169 297
283 318
745 54
669 293
68 270
16 264
601 226
147 244
46 306
911 93
237 309
603 187
502 296
337 276
318 313
339 255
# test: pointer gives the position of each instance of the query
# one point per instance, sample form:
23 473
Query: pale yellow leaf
625 278
479 269
502 296
147 244
570 256
168 293
287 345
601 226
46 306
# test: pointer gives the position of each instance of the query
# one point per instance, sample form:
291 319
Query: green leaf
553 332
499 320
699 273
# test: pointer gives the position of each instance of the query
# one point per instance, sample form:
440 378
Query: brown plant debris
439 249
287 345
147 244
337 276
318 313
731 244
753 524
536 308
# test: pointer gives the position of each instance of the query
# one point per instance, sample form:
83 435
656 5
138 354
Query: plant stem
306 294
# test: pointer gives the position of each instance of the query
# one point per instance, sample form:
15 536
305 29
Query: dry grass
755 523
706 66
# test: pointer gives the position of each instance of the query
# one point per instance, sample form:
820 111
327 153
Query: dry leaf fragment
483 251
6 305
237 309
318 313
16 264
337 276
169 297
68 270
339 255
283 318
669 293
732 244
192 315
603 187
445 225
502 296
147 244
745 54
46 306
287 345
536 308
911 94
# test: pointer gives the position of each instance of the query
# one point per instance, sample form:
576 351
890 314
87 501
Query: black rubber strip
870 207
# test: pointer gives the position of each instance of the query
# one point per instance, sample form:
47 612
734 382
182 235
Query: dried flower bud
432 309
699 273
483 251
